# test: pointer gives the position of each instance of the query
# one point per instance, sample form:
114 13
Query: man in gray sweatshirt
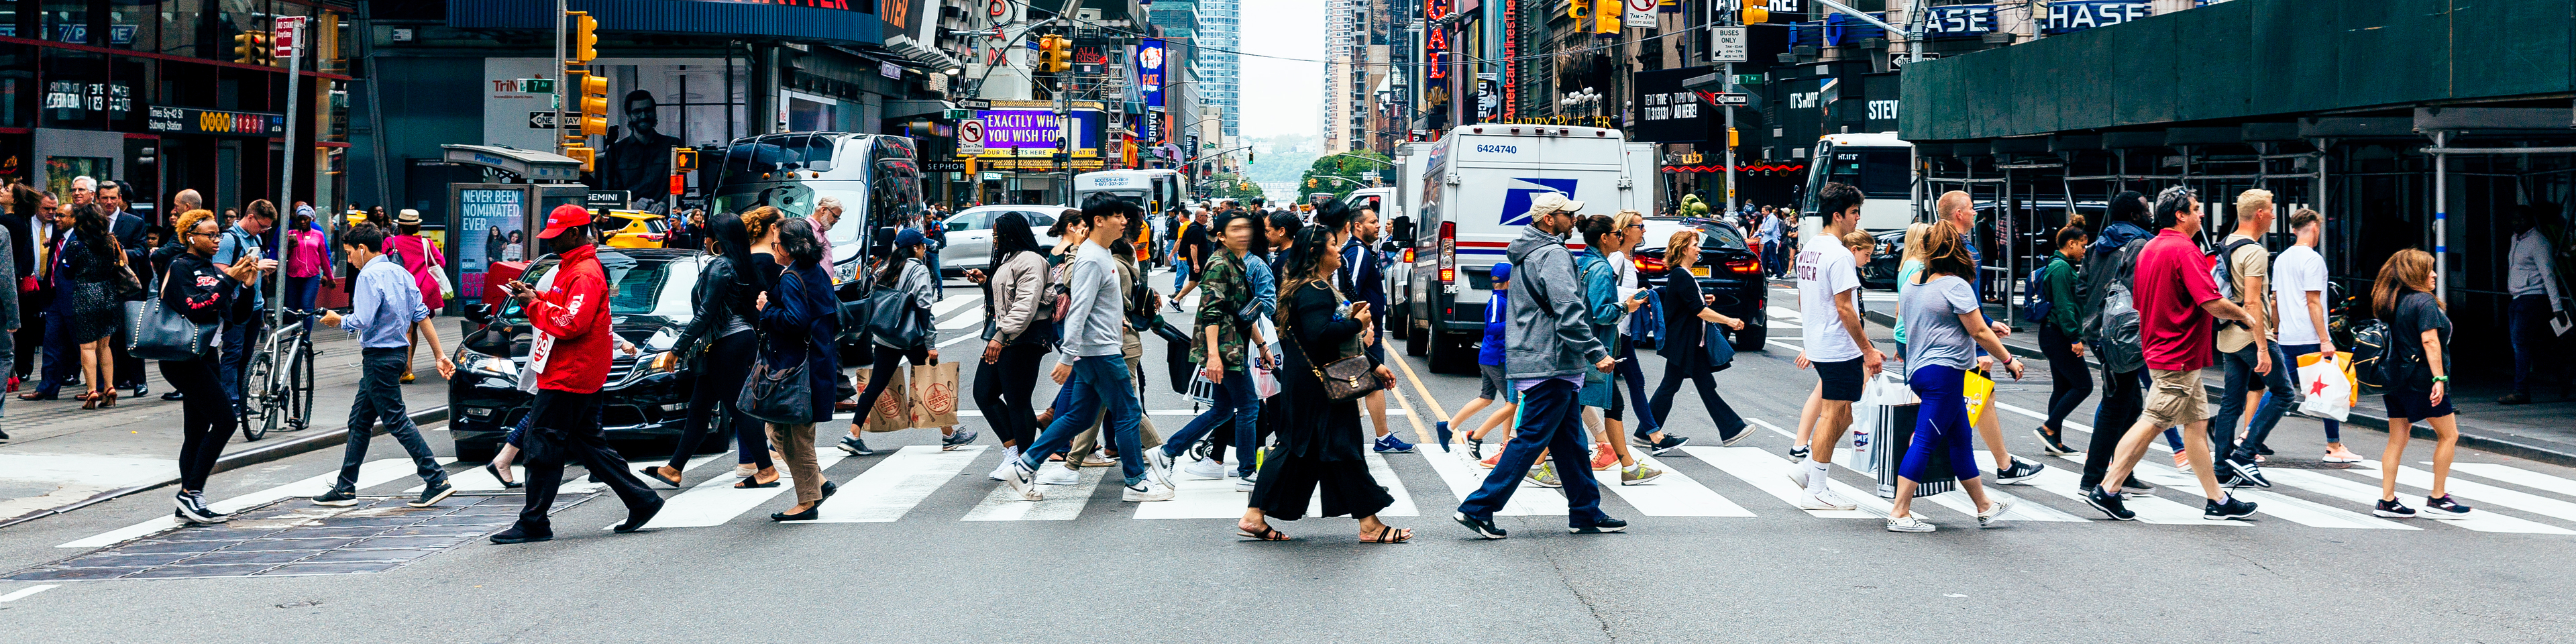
1094 365
1549 347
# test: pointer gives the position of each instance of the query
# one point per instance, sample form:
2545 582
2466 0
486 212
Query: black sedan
646 398
1727 271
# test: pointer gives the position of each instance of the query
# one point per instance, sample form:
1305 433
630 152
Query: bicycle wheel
255 386
302 403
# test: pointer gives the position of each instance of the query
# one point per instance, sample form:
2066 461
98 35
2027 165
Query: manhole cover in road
294 537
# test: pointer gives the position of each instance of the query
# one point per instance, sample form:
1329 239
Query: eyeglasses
193 233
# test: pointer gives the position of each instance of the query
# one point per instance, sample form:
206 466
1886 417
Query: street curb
229 462
2550 452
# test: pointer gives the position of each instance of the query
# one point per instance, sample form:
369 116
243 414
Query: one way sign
541 120
1726 99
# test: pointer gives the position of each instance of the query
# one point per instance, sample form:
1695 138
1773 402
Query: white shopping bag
2326 385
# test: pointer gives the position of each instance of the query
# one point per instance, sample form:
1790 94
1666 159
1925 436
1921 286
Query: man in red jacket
569 358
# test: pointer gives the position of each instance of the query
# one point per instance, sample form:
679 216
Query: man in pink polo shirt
2176 298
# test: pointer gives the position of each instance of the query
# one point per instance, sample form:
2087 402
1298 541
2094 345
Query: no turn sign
970 137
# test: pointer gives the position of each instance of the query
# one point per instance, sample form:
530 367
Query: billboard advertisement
1149 71
1034 131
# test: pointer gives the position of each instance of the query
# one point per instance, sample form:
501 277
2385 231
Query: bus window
1879 173
894 198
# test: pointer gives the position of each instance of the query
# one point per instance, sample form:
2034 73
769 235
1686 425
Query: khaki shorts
2175 398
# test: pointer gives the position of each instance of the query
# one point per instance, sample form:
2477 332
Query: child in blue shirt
1489 364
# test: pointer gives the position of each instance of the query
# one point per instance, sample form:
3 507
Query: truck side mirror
1401 231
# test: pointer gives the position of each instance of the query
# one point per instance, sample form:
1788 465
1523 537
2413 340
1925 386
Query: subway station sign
189 120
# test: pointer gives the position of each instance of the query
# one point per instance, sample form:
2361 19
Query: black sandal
1267 533
655 473
751 482
1389 534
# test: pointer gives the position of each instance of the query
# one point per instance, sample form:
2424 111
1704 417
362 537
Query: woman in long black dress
1321 442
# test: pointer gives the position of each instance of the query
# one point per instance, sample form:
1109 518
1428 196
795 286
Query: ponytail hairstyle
1594 228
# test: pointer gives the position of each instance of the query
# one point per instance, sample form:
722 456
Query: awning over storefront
706 17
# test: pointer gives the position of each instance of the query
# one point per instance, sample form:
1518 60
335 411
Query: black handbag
783 396
895 322
157 333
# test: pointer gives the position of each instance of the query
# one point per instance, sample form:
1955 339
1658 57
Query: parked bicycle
277 388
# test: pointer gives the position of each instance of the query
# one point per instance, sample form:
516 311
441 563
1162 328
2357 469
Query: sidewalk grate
292 537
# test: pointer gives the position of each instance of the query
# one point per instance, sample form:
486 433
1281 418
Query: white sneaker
1023 481
1058 476
1147 490
1994 515
1205 469
1002 470
1245 484
1823 500
1909 523
1158 465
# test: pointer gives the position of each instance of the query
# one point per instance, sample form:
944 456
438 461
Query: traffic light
1055 54
251 48
1756 11
1608 17
593 109
585 38
684 160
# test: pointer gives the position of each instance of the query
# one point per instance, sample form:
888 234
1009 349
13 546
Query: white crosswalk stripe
2518 476
370 474
716 501
894 485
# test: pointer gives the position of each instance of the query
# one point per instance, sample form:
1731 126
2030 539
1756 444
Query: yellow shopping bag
1978 390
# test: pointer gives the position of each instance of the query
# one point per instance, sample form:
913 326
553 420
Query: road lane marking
1769 474
1385 474
477 479
2358 493
1672 495
2021 510
716 500
1464 477
2517 476
22 593
945 305
1063 502
894 485
1421 434
371 474
2491 495
2294 509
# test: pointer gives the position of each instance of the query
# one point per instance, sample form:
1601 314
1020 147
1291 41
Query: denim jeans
2532 338
1098 383
2231 404
2290 355
1180 273
380 399
1237 401
1551 420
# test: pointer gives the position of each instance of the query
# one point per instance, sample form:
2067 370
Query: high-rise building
1220 34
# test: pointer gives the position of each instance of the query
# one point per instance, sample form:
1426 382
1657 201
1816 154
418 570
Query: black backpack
2115 323
2377 362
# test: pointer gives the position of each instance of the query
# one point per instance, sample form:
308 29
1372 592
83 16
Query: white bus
1878 163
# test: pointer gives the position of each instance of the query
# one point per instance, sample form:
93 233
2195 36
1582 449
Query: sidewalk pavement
2544 430
61 455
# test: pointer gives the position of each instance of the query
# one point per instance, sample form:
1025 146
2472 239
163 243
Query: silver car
970 235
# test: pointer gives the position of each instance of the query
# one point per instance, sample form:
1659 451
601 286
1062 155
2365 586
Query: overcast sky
1281 96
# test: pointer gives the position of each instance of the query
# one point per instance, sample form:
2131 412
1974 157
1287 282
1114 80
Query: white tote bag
2327 387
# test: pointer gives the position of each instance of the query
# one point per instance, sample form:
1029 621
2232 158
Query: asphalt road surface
920 547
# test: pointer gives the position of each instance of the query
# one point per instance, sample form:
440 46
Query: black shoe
1798 453
2442 507
1483 527
2226 510
635 519
2249 472
337 498
2515 398
808 515
2109 504
4 437
141 390
172 396
1603 525
2391 508
830 488
1670 442
518 534
2021 470
856 447
506 483
192 508
433 495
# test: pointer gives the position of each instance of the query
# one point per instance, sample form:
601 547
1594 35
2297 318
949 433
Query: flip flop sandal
1267 533
1390 534
747 483
655 473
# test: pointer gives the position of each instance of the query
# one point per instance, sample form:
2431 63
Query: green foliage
1339 174
1227 185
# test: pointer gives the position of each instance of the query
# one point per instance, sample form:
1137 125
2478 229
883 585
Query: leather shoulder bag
159 333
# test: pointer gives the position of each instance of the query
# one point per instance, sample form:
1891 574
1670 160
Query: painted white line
944 305
1063 502
894 485
2366 494
371 474
480 480
73 477
1463 478
2491 495
1769 474
1385 475
1672 495
1779 312
22 593
2517 476
944 344
969 319
716 500
2021 510
2156 510
2297 510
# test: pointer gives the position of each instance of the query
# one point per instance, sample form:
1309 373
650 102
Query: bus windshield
1880 173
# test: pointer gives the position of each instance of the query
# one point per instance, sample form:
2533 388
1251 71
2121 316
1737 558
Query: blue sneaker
1389 444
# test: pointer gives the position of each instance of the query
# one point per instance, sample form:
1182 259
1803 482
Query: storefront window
17 86
134 24
180 27
64 21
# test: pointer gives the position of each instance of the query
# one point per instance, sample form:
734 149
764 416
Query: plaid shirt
1224 297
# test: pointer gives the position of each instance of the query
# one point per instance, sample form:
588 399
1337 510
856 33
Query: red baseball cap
564 217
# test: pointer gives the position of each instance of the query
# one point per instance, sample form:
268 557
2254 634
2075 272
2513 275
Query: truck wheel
1417 341
1751 338
1451 353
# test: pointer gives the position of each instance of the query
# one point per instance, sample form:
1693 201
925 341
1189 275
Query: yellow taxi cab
635 229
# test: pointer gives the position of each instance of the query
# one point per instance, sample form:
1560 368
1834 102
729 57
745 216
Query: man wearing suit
1364 280
128 229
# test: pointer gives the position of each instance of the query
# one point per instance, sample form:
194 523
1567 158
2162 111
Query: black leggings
2070 382
714 392
887 360
1003 391
1689 367
206 419
2123 399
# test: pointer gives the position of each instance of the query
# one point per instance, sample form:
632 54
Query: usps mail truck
1470 195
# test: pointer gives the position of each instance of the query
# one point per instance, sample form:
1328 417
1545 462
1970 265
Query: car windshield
1720 236
655 286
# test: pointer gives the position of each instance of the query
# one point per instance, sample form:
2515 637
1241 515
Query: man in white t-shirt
1838 347
2299 295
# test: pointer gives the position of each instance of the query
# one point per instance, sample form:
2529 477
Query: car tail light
1408 255
1449 252
1744 266
1650 265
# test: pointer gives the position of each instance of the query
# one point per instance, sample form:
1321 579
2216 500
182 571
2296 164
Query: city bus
1878 163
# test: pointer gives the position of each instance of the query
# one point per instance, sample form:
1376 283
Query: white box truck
1469 196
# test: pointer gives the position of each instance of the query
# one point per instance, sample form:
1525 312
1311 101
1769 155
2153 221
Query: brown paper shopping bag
890 413
934 395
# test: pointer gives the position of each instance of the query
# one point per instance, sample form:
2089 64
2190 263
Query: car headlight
494 365
664 362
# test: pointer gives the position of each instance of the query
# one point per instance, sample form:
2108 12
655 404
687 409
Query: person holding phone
569 358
